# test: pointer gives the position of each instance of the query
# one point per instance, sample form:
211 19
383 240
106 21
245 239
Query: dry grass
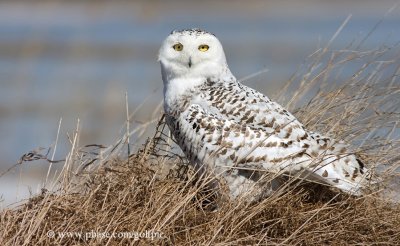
154 190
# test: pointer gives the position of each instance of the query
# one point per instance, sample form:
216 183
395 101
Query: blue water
78 60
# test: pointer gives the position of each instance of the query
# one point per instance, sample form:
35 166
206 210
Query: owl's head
192 53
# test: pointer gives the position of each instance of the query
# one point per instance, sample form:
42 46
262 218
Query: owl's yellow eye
178 47
204 47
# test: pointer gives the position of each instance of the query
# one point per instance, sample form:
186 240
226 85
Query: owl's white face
191 54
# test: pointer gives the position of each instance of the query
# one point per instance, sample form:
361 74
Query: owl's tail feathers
360 181
352 188
363 184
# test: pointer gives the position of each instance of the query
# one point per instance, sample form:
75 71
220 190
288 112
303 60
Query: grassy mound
128 197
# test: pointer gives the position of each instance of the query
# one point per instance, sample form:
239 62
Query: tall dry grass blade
54 152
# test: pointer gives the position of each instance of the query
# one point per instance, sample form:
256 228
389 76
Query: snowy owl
236 133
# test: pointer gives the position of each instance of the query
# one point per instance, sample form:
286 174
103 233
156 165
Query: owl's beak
190 62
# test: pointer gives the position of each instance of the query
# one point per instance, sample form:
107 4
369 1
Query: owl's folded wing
223 144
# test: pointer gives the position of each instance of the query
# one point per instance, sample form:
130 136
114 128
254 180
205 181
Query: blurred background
77 59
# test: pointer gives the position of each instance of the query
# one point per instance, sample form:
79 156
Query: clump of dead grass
100 194
134 196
